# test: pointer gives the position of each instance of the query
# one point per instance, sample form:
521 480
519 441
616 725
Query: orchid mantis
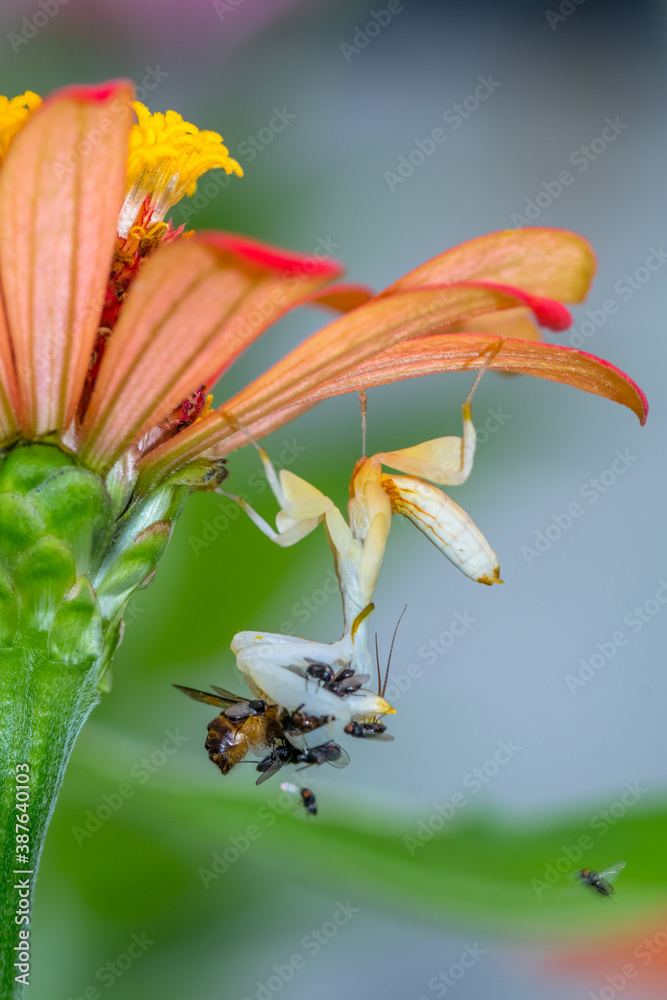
276 666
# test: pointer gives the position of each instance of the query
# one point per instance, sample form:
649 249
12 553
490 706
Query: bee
296 735
601 881
241 726
244 725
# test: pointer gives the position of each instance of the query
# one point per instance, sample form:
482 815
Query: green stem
43 707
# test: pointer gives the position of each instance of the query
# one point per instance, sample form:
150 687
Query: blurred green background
214 885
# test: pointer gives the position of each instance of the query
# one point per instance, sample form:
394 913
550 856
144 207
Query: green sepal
20 526
76 636
43 575
141 537
200 474
136 561
120 482
114 637
9 611
27 465
76 508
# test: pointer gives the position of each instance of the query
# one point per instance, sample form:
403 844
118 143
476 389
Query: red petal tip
267 256
93 92
548 312
554 315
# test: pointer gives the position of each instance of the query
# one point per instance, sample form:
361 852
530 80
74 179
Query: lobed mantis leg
446 460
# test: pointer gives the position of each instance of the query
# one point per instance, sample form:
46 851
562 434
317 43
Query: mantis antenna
382 686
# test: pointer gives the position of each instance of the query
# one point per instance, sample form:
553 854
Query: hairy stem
43 706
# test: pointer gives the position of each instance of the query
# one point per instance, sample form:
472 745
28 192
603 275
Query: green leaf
476 871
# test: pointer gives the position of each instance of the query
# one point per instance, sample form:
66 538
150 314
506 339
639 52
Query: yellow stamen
155 231
167 155
14 113
208 406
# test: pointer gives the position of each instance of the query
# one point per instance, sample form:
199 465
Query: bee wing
227 695
205 696
238 711
265 775
612 873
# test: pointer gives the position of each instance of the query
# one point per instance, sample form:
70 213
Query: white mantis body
275 666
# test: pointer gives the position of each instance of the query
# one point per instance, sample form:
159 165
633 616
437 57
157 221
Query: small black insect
277 758
368 731
326 753
319 671
601 881
307 796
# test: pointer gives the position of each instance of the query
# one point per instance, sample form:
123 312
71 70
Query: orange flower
115 325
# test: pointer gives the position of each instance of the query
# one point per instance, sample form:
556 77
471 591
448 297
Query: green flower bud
74 548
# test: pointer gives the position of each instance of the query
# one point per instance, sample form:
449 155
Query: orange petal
61 188
330 354
193 308
448 352
9 399
517 323
342 298
352 339
462 352
545 262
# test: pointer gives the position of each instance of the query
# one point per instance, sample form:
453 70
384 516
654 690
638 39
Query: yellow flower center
167 156
14 113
